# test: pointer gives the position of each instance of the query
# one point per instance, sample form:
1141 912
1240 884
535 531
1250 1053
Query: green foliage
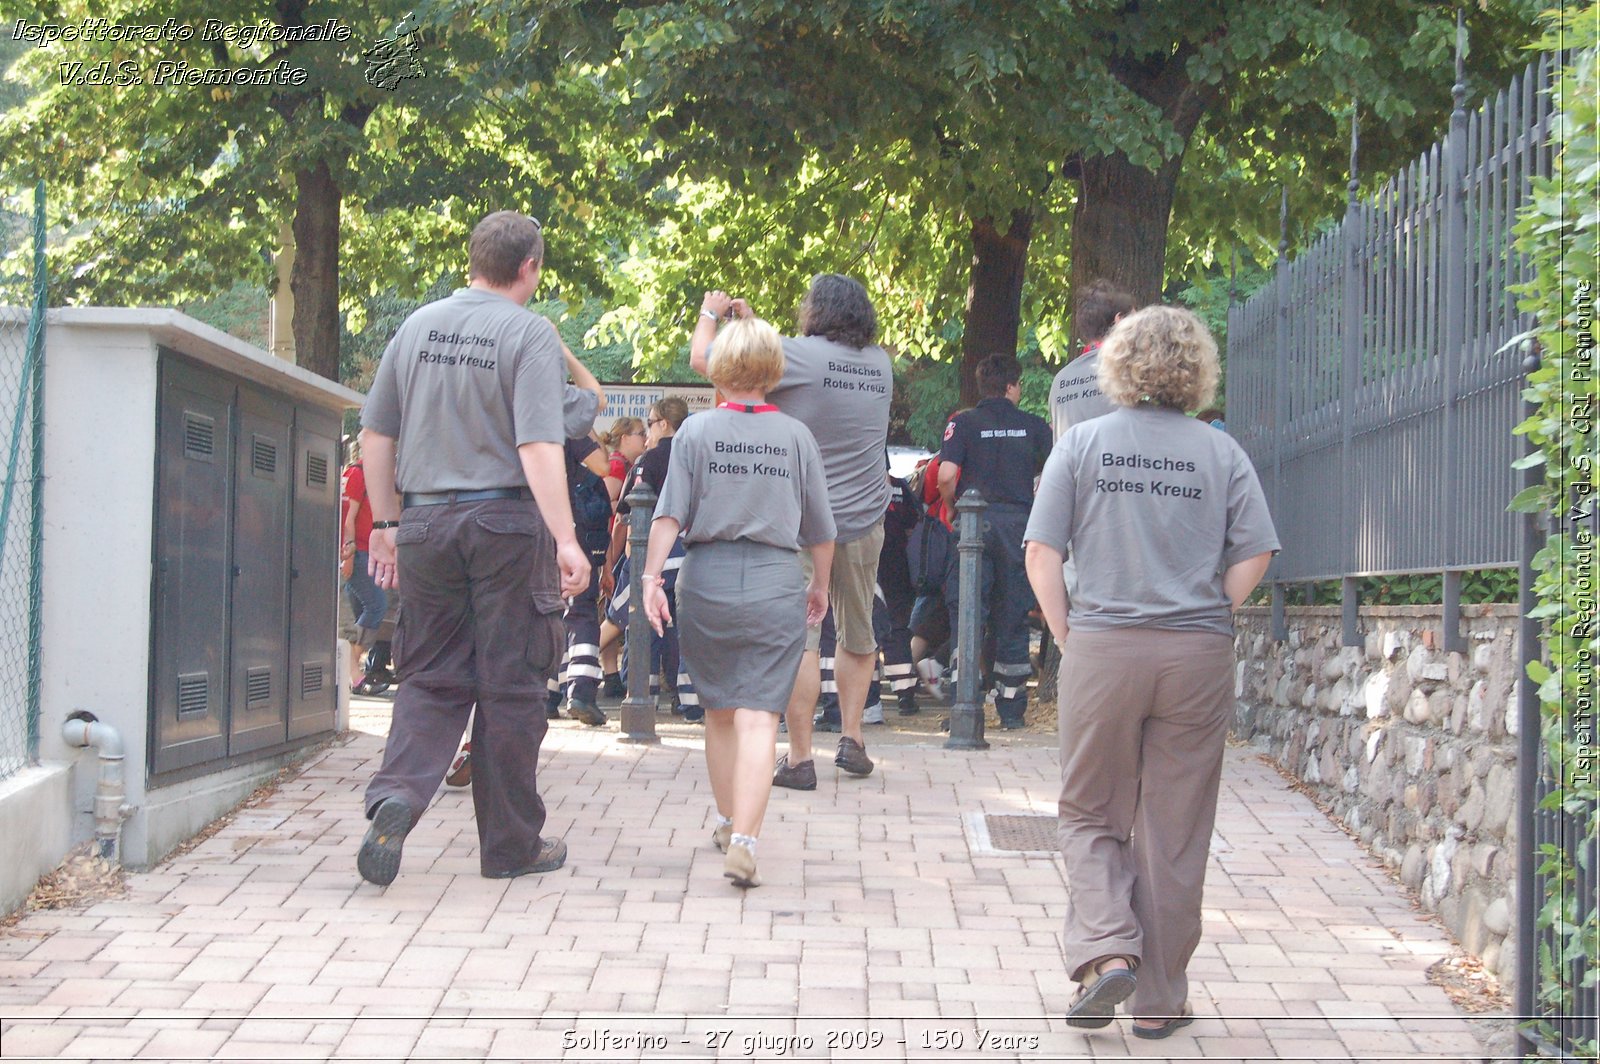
1409 589
1559 231
242 310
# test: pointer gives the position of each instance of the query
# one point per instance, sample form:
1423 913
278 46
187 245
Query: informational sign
635 400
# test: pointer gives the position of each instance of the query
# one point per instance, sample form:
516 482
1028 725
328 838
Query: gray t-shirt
756 476
464 382
1075 393
842 395
1155 506
579 408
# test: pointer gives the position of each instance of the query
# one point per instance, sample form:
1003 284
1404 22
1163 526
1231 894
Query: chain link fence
21 395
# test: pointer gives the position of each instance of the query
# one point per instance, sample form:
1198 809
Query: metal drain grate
1022 832
1007 835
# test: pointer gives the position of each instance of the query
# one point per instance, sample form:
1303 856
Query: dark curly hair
837 307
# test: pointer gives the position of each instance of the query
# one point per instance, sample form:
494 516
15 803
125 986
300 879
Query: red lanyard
749 408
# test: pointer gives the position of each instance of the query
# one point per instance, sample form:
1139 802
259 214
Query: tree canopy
971 162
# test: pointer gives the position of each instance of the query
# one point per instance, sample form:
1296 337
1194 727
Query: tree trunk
315 279
1119 228
994 295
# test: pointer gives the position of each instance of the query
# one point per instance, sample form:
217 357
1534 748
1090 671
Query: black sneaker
613 687
588 712
908 705
694 715
824 724
378 861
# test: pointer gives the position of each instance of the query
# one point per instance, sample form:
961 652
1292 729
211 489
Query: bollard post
638 708
966 716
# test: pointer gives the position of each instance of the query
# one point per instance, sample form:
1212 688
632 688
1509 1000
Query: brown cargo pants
481 625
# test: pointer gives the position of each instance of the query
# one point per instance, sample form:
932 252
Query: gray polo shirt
842 395
1155 506
464 382
1075 393
736 475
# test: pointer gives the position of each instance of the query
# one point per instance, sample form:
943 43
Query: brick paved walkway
880 932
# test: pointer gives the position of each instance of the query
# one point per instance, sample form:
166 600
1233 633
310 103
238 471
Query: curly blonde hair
1161 355
747 356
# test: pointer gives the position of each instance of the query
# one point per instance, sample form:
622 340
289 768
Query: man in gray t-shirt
838 382
470 393
1075 393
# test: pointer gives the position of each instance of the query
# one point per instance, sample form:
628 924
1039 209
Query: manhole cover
1006 833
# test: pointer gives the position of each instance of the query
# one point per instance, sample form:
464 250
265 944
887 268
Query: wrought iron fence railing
1374 384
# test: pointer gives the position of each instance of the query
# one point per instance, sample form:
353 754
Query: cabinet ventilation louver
257 685
199 436
310 678
263 457
316 471
194 693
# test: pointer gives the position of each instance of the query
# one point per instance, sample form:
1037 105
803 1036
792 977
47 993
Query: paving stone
873 904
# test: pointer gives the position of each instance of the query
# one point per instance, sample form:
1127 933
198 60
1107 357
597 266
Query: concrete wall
35 828
1412 748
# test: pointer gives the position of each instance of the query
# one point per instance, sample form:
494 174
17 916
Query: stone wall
1412 748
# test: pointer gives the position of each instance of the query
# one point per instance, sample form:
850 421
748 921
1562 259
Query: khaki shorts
850 590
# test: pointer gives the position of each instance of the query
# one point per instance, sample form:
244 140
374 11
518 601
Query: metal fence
1373 384
21 393
1370 381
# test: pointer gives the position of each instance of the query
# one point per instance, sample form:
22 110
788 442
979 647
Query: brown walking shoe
552 855
852 757
740 866
801 777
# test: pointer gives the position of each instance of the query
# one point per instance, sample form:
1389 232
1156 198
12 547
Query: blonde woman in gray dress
745 485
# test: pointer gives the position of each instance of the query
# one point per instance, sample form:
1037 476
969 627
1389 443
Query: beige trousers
1144 713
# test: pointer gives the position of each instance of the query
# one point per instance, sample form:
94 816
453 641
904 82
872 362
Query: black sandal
1097 999
1183 1019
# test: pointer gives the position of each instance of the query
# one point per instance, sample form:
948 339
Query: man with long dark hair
838 382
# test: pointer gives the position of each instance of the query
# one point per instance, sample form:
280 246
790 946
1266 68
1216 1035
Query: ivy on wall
1557 231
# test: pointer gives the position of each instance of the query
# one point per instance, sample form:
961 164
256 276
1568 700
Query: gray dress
749 491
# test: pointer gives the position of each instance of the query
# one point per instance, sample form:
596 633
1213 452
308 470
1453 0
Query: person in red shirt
367 600
624 442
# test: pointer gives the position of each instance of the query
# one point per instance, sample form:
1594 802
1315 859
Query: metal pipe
1454 335
83 729
966 715
638 714
1349 379
1529 733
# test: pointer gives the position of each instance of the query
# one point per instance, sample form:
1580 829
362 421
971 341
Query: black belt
437 498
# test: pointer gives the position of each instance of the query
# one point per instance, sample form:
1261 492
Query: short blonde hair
747 356
1161 355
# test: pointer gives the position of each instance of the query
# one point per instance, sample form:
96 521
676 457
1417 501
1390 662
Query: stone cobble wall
1412 748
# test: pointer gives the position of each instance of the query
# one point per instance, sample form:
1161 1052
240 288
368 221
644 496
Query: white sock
724 821
747 841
